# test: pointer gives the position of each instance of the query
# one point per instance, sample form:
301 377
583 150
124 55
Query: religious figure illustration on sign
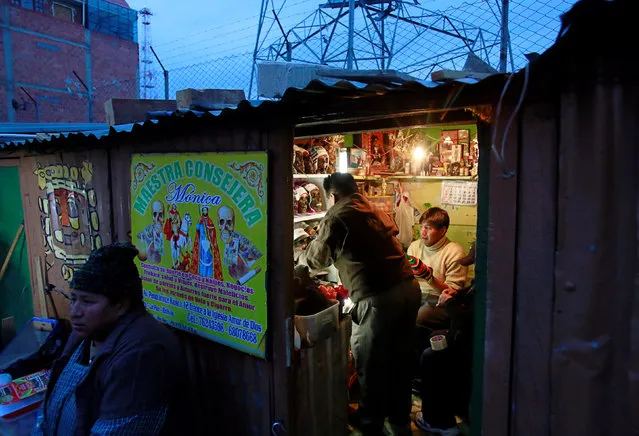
205 259
176 231
239 252
152 237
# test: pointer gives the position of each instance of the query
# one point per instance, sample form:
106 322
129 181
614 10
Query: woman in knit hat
118 373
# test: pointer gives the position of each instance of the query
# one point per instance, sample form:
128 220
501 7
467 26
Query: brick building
60 60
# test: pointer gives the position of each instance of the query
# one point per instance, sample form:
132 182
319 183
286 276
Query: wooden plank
280 265
500 287
67 204
443 75
189 98
9 162
120 179
7 259
33 235
7 330
130 110
230 389
321 399
382 121
535 271
596 262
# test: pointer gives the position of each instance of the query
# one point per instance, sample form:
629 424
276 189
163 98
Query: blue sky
209 43
187 32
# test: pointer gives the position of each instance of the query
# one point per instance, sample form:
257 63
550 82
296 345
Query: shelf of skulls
310 176
409 177
395 177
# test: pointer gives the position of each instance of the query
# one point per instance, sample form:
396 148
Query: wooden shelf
397 176
408 177
310 176
309 217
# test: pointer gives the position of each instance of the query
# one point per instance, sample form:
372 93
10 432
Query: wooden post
5 265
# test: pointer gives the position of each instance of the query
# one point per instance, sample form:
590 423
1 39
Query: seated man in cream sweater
442 255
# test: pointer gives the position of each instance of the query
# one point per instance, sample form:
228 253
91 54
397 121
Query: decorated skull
315 197
319 159
299 157
158 215
226 222
302 199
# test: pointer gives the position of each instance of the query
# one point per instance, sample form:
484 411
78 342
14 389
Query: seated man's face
92 315
431 235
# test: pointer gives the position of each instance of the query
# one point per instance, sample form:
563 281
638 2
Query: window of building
34 5
64 12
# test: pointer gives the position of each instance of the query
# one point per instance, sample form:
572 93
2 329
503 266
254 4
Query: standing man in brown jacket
361 242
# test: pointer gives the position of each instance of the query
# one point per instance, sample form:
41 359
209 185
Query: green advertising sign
199 221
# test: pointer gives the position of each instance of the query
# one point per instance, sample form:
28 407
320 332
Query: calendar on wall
459 193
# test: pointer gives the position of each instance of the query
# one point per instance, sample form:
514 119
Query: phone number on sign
205 322
243 335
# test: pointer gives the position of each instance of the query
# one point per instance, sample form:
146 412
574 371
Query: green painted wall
430 136
427 193
15 286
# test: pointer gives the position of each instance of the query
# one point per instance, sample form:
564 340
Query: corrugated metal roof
47 134
317 102
49 127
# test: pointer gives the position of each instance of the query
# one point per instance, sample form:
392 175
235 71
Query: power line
208 48
194 47
229 25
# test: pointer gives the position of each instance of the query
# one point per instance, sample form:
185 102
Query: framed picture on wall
463 137
357 158
449 149
378 148
454 145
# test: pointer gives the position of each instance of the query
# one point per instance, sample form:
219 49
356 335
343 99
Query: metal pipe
35 103
166 85
257 44
164 71
503 51
351 32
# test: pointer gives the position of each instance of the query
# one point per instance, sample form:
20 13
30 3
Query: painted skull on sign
158 215
226 221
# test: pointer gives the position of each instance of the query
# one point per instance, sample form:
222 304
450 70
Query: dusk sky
205 45
185 32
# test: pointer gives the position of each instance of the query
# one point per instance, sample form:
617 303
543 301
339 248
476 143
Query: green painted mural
15 286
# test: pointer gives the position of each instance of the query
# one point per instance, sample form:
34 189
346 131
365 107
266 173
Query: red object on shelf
328 291
342 293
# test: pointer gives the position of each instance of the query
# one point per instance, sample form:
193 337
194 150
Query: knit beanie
111 271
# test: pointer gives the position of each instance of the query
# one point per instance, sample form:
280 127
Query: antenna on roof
148 80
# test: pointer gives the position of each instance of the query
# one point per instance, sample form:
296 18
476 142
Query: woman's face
92 315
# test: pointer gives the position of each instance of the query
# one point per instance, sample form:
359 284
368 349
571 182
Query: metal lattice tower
148 79
377 35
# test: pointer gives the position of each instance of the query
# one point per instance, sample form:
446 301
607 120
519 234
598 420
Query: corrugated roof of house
318 102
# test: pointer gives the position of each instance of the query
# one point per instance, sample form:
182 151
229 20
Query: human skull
158 215
226 221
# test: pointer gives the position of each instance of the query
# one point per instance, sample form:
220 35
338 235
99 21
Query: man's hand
446 295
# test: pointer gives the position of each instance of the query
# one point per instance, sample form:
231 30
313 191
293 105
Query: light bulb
343 161
418 153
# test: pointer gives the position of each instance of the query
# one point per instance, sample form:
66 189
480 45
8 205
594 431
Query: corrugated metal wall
563 234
